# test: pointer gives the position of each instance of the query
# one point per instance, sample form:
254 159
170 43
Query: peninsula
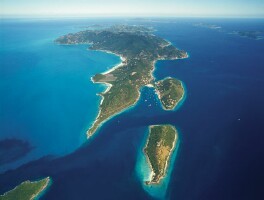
170 92
26 190
139 49
161 142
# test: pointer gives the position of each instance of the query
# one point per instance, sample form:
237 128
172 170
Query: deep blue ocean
47 102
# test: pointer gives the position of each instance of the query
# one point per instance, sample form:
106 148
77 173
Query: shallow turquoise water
47 97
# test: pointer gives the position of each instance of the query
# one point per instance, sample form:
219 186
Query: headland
27 190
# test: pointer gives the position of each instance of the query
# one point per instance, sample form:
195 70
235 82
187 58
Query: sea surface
47 102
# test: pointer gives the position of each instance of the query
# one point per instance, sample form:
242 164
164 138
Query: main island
139 50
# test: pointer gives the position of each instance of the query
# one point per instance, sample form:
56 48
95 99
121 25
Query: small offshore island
139 49
170 92
161 142
27 190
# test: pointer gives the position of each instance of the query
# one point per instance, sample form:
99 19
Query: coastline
183 97
151 174
99 126
102 97
160 59
122 58
39 193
